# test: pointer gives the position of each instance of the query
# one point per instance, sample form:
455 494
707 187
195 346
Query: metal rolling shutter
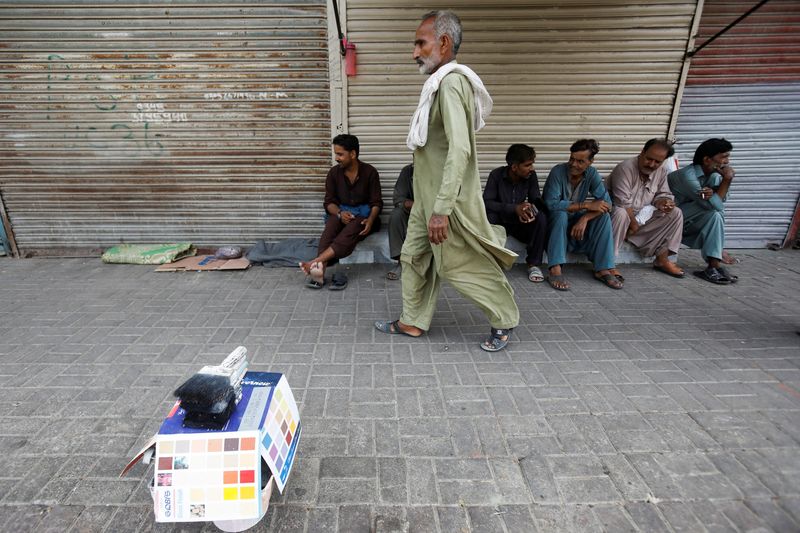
746 87
557 71
163 121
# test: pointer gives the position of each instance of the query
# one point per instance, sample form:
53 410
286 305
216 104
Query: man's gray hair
446 23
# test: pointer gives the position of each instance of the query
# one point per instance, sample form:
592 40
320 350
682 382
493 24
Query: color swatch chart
282 432
207 476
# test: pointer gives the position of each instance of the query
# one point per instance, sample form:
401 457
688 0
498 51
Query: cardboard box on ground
225 476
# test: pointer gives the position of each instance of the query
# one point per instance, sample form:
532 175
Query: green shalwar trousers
469 267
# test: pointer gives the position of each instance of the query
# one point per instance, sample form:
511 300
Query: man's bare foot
314 269
728 259
668 267
556 279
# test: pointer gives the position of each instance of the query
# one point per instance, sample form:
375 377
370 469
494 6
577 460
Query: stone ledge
375 249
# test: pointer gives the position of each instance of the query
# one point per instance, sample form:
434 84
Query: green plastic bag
149 254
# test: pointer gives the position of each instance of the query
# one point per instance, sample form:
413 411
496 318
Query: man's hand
633 227
705 193
665 205
578 229
367 223
346 216
437 228
598 206
408 204
727 172
524 212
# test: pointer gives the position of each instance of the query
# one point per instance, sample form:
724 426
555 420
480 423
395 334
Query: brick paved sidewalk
672 405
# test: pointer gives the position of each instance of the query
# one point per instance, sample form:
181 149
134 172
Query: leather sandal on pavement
392 327
395 273
733 278
712 275
616 274
311 283
609 280
498 339
338 282
558 282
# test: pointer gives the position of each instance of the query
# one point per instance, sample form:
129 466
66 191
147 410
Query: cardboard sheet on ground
205 262
209 475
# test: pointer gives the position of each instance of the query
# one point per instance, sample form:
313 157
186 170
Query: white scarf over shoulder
418 133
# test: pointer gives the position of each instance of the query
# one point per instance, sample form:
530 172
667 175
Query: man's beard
428 65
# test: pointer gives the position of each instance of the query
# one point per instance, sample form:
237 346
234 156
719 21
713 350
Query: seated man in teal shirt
701 190
578 224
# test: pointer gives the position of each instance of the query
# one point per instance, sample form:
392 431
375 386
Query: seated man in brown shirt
352 205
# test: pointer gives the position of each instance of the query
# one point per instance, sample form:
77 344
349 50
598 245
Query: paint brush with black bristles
211 394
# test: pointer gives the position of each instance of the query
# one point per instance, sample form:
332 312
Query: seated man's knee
542 221
558 219
676 214
602 221
619 215
716 218
397 217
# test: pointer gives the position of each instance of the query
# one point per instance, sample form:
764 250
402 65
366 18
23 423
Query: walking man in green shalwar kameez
449 236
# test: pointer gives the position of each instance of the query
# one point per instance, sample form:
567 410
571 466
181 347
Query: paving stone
680 517
392 480
771 513
355 518
421 520
92 518
421 482
646 516
588 490
613 518
452 518
333 491
485 519
540 479
322 520
347 467
288 518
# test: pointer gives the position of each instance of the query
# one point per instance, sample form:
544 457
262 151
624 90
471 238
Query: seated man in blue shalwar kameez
701 190
579 204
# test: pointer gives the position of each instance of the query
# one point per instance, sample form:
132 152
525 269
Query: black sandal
713 275
733 278
498 339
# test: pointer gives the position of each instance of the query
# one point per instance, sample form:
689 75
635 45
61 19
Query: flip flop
559 278
661 268
392 328
313 284
535 274
609 280
495 342
712 275
338 282
395 273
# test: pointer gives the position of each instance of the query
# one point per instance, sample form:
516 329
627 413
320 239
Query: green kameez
446 182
